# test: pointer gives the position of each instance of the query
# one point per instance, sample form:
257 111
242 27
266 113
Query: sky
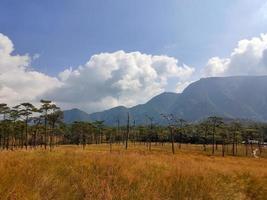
97 54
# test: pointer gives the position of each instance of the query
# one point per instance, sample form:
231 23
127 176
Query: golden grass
94 173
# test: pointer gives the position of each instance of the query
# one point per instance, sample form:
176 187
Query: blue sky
67 32
102 53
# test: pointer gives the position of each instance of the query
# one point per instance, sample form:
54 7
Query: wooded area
26 126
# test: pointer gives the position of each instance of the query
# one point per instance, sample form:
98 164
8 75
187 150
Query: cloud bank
18 83
105 81
118 78
248 58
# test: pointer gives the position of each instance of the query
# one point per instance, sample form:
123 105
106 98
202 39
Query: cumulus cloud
119 78
181 85
248 58
105 81
17 81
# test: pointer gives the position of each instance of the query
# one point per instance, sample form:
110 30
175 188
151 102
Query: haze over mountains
242 97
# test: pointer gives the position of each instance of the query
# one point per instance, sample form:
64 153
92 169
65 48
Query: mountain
75 115
231 97
157 105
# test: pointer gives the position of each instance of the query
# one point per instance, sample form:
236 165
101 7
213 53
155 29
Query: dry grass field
94 173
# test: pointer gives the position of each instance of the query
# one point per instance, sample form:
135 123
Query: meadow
69 172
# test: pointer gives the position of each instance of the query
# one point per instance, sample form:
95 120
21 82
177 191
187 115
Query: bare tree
169 119
215 122
235 128
150 130
181 124
127 131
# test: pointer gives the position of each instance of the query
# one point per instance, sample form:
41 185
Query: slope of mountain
110 116
157 105
75 115
232 97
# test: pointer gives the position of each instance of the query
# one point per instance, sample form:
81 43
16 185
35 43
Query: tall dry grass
94 173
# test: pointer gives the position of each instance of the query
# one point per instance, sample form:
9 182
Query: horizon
214 77
87 63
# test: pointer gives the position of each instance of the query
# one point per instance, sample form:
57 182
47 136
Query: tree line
211 132
26 126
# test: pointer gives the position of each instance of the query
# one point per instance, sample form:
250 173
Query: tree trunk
236 146
213 139
223 150
246 146
251 147
45 137
233 145
84 141
21 139
51 136
34 139
259 146
26 133
127 132
110 142
180 139
172 140
205 141
7 142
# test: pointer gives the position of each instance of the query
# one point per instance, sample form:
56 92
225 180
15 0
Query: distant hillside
157 105
231 97
75 115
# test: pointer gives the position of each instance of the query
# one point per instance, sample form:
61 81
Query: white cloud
248 58
105 81
180 86
119 78
216 66
17 81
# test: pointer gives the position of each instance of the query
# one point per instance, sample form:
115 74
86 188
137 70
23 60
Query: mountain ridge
231 97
